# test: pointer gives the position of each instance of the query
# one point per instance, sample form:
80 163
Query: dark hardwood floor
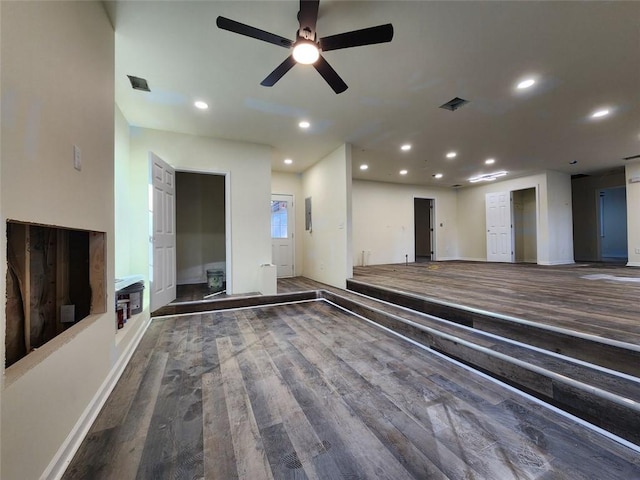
309 391
598 299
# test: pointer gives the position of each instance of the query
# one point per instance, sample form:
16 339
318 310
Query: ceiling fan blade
330 75
357 38
248 31
308 15
279 72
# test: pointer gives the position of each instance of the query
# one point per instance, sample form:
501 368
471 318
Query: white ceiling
585 55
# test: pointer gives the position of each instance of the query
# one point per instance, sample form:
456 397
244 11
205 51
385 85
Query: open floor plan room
307 390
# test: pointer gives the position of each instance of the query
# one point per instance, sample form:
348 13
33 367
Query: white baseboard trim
63 457
446 259
633 264
472 259
560 262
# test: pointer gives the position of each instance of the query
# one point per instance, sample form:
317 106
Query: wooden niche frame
56 277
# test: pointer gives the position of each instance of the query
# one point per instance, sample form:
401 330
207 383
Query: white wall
472 213
122 197
291 184
327 247
249 168
559 218
554 222
57 75
383 222
632 170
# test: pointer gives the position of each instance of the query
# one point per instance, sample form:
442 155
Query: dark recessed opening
138 83
454 104
632 157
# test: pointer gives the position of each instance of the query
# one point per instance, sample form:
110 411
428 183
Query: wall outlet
638 251
77 158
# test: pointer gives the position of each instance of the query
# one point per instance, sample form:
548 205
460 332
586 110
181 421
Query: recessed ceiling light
288 161
600 113
304 124
438 175
490 161
451 155
201 105
524 84
403 172
405 147
364 167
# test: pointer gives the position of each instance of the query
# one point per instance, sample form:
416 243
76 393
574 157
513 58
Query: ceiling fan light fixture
306 52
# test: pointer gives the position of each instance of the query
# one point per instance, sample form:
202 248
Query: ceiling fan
306 47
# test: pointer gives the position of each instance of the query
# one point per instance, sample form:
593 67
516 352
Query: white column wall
327 247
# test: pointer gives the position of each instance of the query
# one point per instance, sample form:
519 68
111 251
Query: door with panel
162 233
282 228
499 227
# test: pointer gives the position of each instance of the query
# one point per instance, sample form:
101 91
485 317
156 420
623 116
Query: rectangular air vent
454 104
138 83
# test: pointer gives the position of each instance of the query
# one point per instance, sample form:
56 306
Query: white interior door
162 232
282 228
499 231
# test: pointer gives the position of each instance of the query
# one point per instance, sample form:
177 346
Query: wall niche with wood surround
56 277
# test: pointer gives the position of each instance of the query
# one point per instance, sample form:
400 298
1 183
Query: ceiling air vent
138 83
454 104
632 157
456 185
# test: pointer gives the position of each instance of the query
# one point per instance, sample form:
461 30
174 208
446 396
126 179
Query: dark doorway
423 221
612 223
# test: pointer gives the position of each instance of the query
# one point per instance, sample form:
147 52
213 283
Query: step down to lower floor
611 354
597 395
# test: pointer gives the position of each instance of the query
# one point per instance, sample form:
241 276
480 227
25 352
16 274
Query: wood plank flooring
307 391
599 299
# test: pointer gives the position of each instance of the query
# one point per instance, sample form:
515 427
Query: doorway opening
612 224
511 225
423 228
201 235
525 226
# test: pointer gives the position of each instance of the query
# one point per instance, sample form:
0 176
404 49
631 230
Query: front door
162 235
282 234
499 234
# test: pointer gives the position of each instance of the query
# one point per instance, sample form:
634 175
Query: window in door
279 219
